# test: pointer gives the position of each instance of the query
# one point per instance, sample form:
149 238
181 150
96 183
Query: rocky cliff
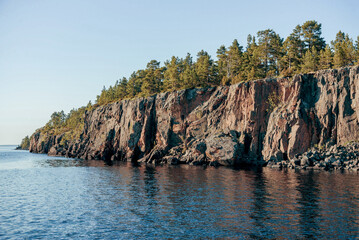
251 123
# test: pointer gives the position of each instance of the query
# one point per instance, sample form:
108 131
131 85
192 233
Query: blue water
44 197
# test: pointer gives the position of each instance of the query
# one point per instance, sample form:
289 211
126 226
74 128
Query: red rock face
321 108
244 123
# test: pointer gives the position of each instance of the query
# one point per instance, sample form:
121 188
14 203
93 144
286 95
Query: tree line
25 144
266 55
69 125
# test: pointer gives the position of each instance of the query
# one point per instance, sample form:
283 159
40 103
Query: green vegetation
25 144
266 55
69 125
273 101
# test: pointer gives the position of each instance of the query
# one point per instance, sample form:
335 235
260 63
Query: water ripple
57 198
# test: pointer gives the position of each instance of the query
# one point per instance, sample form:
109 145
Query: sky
58 55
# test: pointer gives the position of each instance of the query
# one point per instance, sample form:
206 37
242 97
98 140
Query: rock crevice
248 123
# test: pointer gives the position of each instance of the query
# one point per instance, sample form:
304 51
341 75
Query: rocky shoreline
269 122
324 158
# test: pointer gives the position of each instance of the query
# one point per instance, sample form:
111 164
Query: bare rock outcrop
270 120
321 108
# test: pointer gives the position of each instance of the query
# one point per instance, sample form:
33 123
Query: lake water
44 197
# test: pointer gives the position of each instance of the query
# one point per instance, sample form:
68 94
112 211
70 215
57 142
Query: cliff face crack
223 125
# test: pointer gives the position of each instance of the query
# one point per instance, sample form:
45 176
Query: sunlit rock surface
247 123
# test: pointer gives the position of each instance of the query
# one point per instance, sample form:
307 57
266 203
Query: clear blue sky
57 55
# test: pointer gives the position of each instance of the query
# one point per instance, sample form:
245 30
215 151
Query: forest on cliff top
266 55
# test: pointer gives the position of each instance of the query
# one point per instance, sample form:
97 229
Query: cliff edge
247 123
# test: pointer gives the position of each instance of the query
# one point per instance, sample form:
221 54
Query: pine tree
269 46
251 61
310 61
222 65
252 74
121 89
135 83
57 119
188 76
172 75
303 50
152 82
293 48
234 62
311 33
89 106
344 51
326 58
205 70
25 143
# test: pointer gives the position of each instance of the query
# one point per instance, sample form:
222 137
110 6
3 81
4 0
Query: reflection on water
59 198
260 214
54 162
308 205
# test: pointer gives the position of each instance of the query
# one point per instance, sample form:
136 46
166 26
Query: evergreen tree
172 73
110 95
25 143
251 60
152 82
222 65
311 32
188 76
57 120
326 58
293 49
310 61
205 70
303 50
234 62
344 51
100 99
89 106
121 89
269 46
134 83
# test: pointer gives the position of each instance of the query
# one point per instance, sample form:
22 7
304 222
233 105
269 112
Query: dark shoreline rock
332 158
21 148
226 125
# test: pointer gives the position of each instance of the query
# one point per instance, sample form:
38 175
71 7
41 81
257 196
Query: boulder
223 149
